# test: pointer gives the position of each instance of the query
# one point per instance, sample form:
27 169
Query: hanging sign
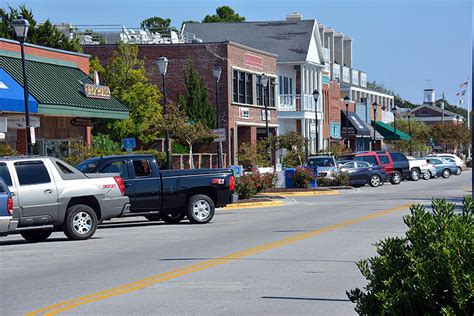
79 121
96 92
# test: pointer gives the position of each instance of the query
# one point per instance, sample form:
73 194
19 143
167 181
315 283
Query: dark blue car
361 173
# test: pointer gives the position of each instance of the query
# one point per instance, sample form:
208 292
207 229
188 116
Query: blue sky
400 43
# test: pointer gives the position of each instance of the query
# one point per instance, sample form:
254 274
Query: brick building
61 112
240 91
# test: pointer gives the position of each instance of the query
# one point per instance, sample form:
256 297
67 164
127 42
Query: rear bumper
7 224
115 207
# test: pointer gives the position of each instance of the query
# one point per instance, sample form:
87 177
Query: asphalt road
299 258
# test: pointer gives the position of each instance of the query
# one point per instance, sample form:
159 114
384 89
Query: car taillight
10 205
232 183
120 184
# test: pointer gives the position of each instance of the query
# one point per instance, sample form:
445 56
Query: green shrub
159 155
430 271
302 177
340 180
469 163
78 153
103 142
177 148
7 150
253 183
245 187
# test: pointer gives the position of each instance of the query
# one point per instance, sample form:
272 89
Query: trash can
314 182
288 180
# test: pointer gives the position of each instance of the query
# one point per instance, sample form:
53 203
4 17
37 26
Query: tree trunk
191 162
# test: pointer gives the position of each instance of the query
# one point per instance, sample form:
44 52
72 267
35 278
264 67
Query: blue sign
238 170
129 144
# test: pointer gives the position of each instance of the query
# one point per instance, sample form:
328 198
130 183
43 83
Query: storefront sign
19 122
79 121
219 135
96 92
252 60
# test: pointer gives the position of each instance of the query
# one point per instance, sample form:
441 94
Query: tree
126 76
420 133
451 134
182 129
452 108
195 101
223 14
45 34
156 24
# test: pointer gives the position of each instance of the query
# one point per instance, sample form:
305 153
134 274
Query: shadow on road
320 299
49 240
137 224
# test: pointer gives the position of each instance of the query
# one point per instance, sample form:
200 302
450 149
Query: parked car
394 163
169 195
443 167
50 195
453 158
361 173
7 223
325 165
418 168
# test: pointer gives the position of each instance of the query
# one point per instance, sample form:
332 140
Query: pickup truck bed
167 194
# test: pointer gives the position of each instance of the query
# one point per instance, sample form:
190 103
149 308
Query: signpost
219 135
129 144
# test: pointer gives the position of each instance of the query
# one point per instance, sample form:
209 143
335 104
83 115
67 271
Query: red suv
383 159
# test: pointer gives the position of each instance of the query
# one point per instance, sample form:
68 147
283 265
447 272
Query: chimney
294 17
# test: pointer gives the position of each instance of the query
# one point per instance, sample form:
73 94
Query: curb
253 205
307 193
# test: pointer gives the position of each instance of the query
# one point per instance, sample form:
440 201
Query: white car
419 168
453 158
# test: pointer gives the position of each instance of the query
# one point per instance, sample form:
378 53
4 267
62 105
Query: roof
58 90
435 108
11 95
292 41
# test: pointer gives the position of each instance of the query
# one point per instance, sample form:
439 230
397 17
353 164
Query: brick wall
81 60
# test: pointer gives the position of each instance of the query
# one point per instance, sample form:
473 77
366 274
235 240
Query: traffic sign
219 135
129 144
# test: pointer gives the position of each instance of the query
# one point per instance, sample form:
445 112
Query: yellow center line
140 284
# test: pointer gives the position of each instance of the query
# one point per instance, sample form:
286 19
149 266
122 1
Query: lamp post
264 80
347 101
409 129
374 105
316 97
442 112
394 111
162 63
21 26
216 73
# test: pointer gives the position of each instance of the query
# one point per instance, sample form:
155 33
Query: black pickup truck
169 195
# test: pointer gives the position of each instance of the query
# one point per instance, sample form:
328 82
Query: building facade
241 94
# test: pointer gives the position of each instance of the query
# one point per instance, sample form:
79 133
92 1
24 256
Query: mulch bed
252 200
282 190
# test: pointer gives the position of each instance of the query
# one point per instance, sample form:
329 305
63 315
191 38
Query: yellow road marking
303 193
140 284
253 205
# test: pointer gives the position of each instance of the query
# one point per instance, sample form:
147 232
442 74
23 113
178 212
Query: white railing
326 55
336 71
363 79
297 102
355 77
346 77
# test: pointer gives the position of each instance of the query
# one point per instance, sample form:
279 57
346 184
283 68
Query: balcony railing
326 55
346 77
297 102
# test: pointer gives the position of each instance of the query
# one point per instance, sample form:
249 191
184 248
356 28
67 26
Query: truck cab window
142 168
117 167
32 172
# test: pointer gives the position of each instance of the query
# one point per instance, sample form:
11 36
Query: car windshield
321 162
88 166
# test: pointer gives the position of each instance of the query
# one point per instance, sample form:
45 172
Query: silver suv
50 195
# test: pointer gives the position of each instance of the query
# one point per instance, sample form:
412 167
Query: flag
460 102
463 85
462 93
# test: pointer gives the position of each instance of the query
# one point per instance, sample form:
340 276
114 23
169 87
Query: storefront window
58 148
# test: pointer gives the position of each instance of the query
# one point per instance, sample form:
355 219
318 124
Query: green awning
58 89
387 131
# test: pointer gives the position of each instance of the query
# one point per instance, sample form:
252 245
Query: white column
320 103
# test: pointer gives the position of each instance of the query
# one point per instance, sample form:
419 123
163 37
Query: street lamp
216 73
347 101
394 111
316 97
442 111
375 106
264 80
409 129
21 26
162 63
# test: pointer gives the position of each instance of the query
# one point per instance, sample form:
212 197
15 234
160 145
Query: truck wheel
446 173
396 177
36 235
375 180
80 223
172 218
427 175
200 209
415 174
153 218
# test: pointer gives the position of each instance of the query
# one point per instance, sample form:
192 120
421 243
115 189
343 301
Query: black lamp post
409 129
264 80
394 111
375 106
347 101
162 63
316 97
21 26
216 73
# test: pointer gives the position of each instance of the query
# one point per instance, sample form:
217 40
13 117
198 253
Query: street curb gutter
253 205
307 193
